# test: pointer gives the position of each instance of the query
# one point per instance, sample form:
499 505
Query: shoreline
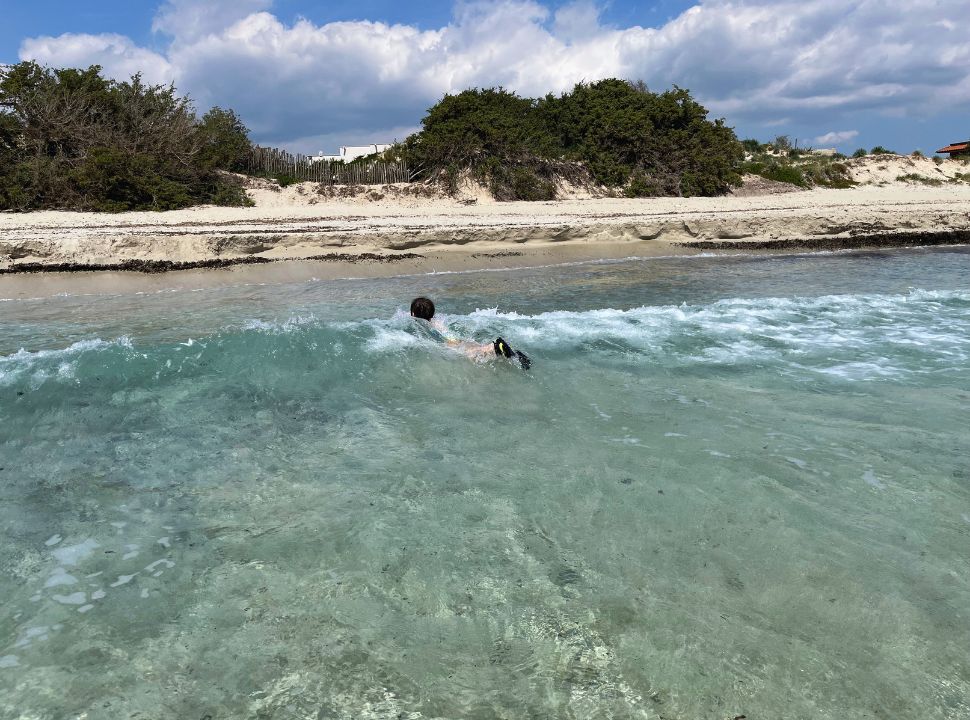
459 259
371 239
48 283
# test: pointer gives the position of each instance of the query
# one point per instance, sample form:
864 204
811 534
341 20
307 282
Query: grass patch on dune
781 162
919 179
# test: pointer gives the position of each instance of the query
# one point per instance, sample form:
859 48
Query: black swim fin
503 349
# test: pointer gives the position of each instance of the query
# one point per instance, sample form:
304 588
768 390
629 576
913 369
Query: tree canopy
612 132
72 139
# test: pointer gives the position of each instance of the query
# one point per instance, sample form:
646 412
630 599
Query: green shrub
937 159
782 143
225 141
777 171
860 153
839 183
786 174
527 185
72 139
917 154
831 175
487 133
613 133
229 194
640 186
880 150
285 180
518 183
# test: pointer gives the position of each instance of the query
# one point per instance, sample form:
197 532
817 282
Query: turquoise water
728 486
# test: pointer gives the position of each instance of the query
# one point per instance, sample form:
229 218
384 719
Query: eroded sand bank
436 233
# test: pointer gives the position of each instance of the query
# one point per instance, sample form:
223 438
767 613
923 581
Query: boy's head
422 308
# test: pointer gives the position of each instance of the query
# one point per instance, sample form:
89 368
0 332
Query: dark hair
422 308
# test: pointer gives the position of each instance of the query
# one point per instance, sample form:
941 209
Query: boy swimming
423 309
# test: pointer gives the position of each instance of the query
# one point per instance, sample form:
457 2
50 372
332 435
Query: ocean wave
864 336
44 364
276 327
852 337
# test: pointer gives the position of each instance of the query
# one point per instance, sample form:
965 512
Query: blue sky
26 18
310 76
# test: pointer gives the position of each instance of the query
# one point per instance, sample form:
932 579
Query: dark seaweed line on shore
857 242
153 267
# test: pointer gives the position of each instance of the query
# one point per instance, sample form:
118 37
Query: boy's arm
450 340
473 350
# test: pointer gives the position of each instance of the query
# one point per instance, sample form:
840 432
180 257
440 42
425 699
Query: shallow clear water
727 486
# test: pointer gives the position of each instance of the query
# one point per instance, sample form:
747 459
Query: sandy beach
393 230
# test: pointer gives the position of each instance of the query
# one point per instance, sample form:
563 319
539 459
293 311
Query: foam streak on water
726 488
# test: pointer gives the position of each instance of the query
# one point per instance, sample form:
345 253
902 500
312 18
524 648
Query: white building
350 152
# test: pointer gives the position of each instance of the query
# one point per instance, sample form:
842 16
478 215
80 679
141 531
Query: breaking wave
854 337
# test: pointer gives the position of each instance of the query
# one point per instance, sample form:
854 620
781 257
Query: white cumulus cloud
836 138
117 54
756 62
187 20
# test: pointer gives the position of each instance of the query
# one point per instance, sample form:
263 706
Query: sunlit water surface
727 487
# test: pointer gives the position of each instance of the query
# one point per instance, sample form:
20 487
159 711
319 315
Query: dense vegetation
612 133
72 139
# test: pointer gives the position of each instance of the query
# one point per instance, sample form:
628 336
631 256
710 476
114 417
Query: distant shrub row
72 139
612 133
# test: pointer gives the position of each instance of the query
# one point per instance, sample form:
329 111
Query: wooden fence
273 162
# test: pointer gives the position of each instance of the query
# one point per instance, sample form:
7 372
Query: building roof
955 147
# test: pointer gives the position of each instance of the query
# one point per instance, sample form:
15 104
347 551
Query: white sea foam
283 326
794 332
44 364
835 336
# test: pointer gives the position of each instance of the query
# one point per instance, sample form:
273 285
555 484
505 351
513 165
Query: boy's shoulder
433 329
